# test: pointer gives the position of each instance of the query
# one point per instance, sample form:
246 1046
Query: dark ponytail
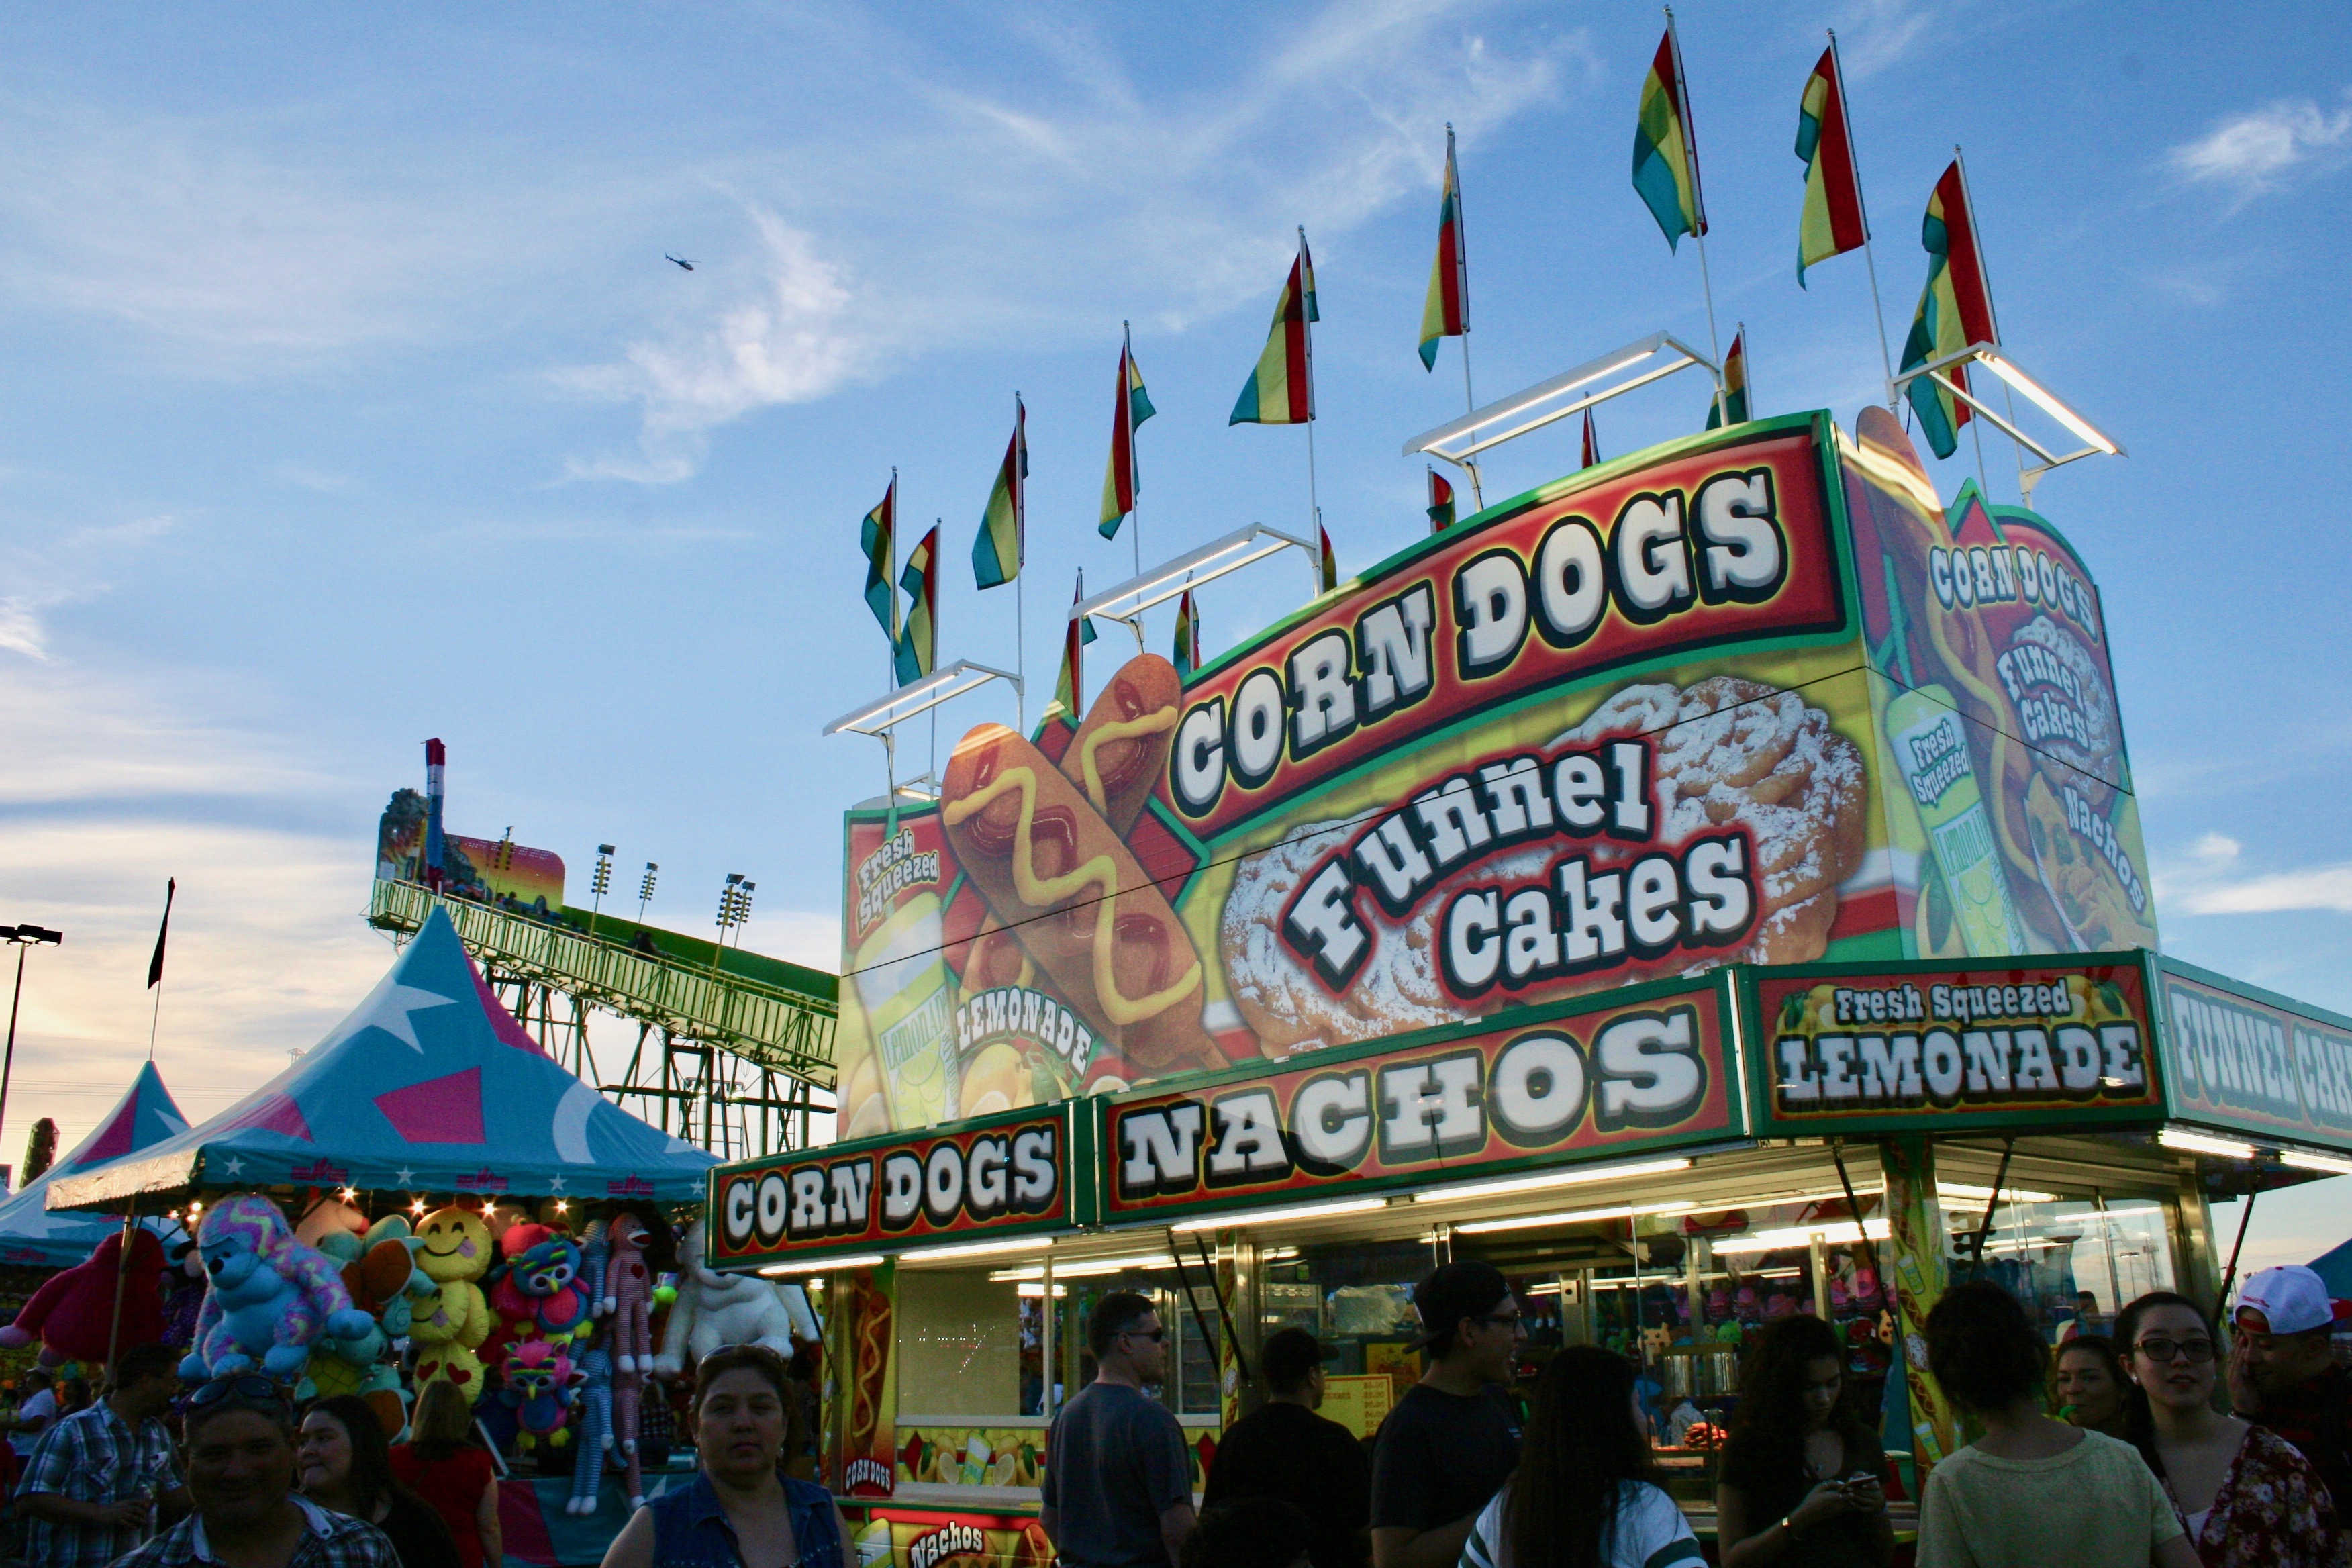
2139 1421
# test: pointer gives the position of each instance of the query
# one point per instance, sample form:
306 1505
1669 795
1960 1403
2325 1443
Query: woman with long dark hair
2246 1497
2090 1387
344 1464
1585 1494
1802 1472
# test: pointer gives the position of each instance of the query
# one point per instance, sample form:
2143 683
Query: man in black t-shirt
1285 1450
1453 1439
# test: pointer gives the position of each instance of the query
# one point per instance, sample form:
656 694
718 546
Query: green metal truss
775 1026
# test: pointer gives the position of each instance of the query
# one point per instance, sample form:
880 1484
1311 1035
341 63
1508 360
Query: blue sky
354 402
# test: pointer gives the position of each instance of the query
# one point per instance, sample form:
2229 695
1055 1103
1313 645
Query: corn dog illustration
1053 870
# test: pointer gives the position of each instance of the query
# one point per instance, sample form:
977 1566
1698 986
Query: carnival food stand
1710 887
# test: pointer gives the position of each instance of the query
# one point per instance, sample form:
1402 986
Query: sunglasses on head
247 1385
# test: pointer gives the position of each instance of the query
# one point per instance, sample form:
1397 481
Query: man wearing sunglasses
240 1446
2283 1376
1453 1439
1119 1482
91 1486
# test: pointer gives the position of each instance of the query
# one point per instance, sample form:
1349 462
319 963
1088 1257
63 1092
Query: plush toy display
713 1310
453 1361
72 1313
595 1429
541 1294
270 1296
183 1295
628 1303
541 1383
453 1250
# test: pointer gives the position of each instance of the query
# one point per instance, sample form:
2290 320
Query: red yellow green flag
1003 543
1665 163
1955 308
1069 687
1326 565
1441 502
918 643
1446 312
1592 443
1134 406
1832 221
1735 385
1281 390
878 536
1188 636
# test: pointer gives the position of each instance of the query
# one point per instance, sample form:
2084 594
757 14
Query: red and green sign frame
1017 1172
1943 1046
1635 1071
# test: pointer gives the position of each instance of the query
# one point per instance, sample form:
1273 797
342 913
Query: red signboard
1010 1174
1921 1044
1717 546
1639 1072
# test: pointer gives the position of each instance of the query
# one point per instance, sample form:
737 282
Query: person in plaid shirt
90 1486
240 1446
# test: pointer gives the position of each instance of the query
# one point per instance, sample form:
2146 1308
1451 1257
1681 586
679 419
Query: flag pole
1134 460
890 575
1462 289
1698 199
1869 260
1306 334
1976 243
156 968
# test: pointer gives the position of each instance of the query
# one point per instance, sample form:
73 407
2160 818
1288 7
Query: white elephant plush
714 1311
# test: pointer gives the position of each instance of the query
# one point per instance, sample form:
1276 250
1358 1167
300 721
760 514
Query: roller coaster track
702 995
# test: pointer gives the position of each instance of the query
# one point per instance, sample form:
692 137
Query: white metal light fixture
1084 1268
1127 601
1833 1232
1967 1194
975 1249
2327 1162
1551 1179
862 1260
1275 1217
1573 1216
2200 1143
1458 441
2095 442
917 697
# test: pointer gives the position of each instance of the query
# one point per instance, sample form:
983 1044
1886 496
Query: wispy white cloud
2210 880
37 577
1876 34
982 215
2265 149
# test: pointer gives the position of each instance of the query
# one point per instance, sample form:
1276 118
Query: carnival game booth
386 1177
1710 885
31 1234
56 1270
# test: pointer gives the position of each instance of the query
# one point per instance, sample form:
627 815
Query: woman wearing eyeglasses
2246 1497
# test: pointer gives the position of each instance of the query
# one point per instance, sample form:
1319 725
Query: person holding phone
1802 1471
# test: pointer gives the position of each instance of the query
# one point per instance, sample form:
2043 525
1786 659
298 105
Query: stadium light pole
20 938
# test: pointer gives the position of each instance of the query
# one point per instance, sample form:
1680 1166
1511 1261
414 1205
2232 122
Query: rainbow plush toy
271 1297
541 1294
541 1384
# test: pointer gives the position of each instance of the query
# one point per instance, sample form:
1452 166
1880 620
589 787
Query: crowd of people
246 1483
2141 1466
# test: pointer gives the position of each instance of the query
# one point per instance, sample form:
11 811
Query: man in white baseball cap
2283 1376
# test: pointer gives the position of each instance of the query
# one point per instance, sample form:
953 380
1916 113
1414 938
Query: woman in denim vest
742 1511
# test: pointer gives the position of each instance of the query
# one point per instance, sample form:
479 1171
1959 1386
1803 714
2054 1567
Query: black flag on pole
156 964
